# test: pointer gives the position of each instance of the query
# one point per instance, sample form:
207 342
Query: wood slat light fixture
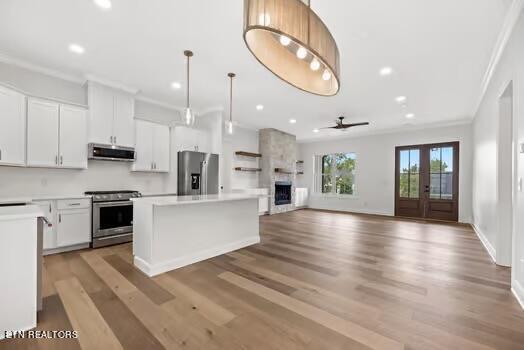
290 40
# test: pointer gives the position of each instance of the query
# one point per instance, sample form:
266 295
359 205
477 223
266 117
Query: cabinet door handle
59 217
61 160
49 207
56 160
114 137
0 154
111 139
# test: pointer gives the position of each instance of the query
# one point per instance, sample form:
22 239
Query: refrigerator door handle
203 179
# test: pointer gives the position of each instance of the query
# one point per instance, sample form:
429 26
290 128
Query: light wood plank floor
318 280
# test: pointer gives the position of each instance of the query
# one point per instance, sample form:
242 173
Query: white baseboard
489 248
518 292
66 249
156 269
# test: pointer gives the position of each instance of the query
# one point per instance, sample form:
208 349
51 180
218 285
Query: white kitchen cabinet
124 120
42 133
101 114
111 116
56 135
161 147
152 147
73 227
73 137
301 197
190 139
49 210
12 127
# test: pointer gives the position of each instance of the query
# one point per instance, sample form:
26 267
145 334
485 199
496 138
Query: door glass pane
441 173
409 177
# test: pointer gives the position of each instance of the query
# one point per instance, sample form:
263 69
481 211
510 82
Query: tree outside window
338 173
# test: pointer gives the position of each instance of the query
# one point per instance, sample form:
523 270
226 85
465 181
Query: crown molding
78 79
111 84
159 103
511 19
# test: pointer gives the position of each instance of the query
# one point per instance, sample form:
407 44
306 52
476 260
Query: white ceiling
439 50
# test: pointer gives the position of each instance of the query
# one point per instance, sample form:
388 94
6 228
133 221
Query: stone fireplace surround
278 151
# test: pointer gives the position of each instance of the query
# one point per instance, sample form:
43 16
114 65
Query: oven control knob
119 195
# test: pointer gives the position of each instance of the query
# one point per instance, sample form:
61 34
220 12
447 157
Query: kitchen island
174 231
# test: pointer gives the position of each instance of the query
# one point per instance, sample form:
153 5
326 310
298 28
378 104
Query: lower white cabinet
301 197
73 227
152 147
70 222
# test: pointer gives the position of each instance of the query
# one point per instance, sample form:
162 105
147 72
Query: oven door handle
112 204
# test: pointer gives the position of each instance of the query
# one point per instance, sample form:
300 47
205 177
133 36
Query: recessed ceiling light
385 71
103 4
259 107
401 99
316 130
292 121
75 48
410 115
176 85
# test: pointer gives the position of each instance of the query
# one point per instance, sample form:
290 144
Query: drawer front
74 203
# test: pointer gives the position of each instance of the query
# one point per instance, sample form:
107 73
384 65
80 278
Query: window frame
320 174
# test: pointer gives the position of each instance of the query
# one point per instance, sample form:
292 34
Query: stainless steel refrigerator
197 173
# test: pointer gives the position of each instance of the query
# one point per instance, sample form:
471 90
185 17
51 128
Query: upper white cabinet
111 116
191 139
12 127
56 135
152 147
42 133
73 137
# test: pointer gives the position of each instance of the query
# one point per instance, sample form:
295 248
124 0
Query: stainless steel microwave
111 152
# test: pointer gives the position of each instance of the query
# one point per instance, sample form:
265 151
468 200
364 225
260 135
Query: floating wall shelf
282 171
248 154
300 173
248 169
300 162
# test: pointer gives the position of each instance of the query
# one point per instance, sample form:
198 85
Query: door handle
61 160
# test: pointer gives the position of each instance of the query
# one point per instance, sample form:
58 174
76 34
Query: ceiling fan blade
331 127
355 124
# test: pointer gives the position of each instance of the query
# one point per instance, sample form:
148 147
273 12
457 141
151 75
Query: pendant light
188 117
290 40
229 123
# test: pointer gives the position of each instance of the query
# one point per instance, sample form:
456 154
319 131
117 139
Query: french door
426 181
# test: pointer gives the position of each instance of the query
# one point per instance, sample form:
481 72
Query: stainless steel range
112 217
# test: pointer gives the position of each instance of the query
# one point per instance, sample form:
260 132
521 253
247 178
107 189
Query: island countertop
182 200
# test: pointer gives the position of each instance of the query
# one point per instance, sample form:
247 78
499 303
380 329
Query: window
409 180
336 173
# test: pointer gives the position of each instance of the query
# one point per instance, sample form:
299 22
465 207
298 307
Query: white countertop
20 212
181 200
29 199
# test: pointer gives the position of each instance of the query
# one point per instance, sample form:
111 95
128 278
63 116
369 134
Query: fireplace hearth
282 192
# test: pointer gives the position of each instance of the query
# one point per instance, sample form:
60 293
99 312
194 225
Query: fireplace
282 192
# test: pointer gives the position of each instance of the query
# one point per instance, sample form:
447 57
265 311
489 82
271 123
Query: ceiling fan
341 126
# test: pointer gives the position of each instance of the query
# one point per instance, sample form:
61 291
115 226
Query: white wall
241 140
485 130
375 172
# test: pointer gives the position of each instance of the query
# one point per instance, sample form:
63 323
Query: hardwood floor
318 280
